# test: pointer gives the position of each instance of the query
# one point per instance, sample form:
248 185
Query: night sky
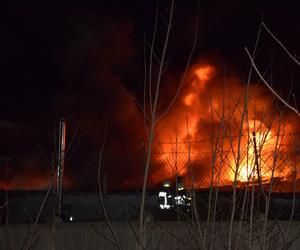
66 59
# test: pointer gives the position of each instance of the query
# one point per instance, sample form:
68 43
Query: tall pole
61 162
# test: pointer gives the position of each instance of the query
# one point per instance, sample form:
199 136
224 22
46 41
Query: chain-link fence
249 162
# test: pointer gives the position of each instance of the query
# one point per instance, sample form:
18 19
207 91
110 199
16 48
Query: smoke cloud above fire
89 98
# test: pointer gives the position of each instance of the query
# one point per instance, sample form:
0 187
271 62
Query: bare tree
152 86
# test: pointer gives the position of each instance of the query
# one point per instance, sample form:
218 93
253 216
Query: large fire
214 135
217 139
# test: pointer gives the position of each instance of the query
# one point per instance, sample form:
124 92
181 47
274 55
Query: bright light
165 205
179 200
204 73
167 184
71 218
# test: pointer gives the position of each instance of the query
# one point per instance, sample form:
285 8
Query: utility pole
61 163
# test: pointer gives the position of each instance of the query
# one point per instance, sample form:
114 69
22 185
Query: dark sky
63 60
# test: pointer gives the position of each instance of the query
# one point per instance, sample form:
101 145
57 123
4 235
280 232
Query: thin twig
194 204
151 59
104 237
152 130
269 87
186 67
100 190
268 198
28 243
281 44
133 99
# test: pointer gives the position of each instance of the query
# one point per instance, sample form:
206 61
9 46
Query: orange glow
204 73
188 100
200 139
31 181
174 154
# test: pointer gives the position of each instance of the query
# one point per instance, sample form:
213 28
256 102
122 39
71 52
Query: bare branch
268 85
29 242
281 44
152 130
151 59
185 71
100 191
133 99
152 51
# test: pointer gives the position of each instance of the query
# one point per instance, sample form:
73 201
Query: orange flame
198 117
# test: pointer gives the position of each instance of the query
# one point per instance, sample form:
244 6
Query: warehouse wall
159 235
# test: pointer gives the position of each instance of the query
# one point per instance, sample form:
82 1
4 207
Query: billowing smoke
89 97
95 99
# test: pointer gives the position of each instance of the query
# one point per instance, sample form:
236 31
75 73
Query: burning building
216 133
226 131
